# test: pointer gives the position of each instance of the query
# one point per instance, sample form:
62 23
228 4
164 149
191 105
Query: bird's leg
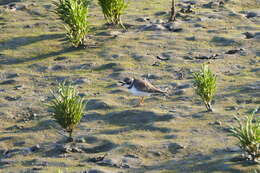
141 102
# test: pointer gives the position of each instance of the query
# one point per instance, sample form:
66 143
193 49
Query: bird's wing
146 86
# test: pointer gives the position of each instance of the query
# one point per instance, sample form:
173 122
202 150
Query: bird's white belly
135 92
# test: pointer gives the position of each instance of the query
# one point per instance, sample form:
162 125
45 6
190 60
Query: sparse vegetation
248 134
68 107
112 10
205 85
74 14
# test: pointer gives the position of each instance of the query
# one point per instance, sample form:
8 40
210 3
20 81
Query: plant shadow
11 61
17 42
199 163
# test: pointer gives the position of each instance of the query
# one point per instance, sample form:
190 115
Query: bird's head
126 82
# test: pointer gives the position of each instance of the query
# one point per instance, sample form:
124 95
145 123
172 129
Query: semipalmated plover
139 87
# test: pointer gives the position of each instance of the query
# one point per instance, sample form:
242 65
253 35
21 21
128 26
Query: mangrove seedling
67 107
205 85
248 134
112 10
74 13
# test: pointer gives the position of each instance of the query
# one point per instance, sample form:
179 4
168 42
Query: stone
13 98
175 147
143 19
35 148
96 104
251 14
234 51
249 35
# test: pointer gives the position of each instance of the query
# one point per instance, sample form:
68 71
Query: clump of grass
112 10
205 85
248 134
68 107
74 13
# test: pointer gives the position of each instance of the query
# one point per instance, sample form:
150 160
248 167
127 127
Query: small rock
175 147
234 51
35 148
187 9
18 87
162 58
143 19
251 14
249 35
13 98
60 58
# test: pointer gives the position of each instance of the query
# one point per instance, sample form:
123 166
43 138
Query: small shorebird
141 88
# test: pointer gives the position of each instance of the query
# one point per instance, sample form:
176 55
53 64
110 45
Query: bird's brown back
146 86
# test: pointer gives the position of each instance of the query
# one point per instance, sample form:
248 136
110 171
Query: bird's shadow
130 120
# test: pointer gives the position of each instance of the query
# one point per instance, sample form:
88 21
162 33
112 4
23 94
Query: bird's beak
122 83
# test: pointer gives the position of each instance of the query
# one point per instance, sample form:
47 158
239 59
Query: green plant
248 135
74 14
68 107
205 85
112 10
